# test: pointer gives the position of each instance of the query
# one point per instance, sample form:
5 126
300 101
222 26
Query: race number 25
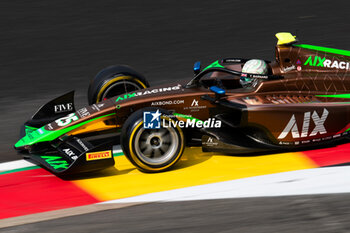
67 119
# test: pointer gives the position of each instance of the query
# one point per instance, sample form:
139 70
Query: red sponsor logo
99 155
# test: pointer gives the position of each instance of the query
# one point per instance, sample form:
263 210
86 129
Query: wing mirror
197 67
218 92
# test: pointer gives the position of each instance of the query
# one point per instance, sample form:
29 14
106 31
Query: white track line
302 182
117 149
310 181
17 164
54 214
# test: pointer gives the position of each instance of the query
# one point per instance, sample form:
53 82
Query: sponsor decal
98 155
298 62
83 112
100 105
228 60
66 120
310 141
70 153
95 107
195 107
147 92
285 143
194 103
49 126
293 127
298 68
289 68
82 144
152 120
327 63
167 102
63 107
259 76
55 162
211 142
126 96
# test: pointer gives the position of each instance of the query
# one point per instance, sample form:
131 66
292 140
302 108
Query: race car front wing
75 155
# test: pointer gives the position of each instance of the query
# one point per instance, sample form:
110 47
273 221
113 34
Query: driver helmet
253 66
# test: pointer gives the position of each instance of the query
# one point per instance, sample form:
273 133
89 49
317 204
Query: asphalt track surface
51 47
279 214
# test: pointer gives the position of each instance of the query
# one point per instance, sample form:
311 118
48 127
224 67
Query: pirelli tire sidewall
131 127
110 76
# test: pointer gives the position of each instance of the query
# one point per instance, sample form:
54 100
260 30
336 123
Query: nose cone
32 137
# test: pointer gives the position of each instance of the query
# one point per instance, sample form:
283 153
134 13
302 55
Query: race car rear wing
286 38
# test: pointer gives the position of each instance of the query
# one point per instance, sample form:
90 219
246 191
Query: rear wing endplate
286 38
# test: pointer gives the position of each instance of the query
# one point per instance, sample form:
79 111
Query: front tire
152 150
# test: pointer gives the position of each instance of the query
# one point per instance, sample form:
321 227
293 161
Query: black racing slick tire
113 81
152 150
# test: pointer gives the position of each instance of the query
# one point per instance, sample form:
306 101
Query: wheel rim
156 146
120 87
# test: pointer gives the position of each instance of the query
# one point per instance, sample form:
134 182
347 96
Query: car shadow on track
192 156
328 145
112 171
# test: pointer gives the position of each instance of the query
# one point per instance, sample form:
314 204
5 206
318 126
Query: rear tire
152 150
113 81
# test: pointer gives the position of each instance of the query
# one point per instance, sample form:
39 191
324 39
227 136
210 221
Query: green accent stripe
118 154
342 96
214 64
186 117
337 103
19 170
324 49
30 127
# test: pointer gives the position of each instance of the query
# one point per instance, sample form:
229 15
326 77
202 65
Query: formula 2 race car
302 101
